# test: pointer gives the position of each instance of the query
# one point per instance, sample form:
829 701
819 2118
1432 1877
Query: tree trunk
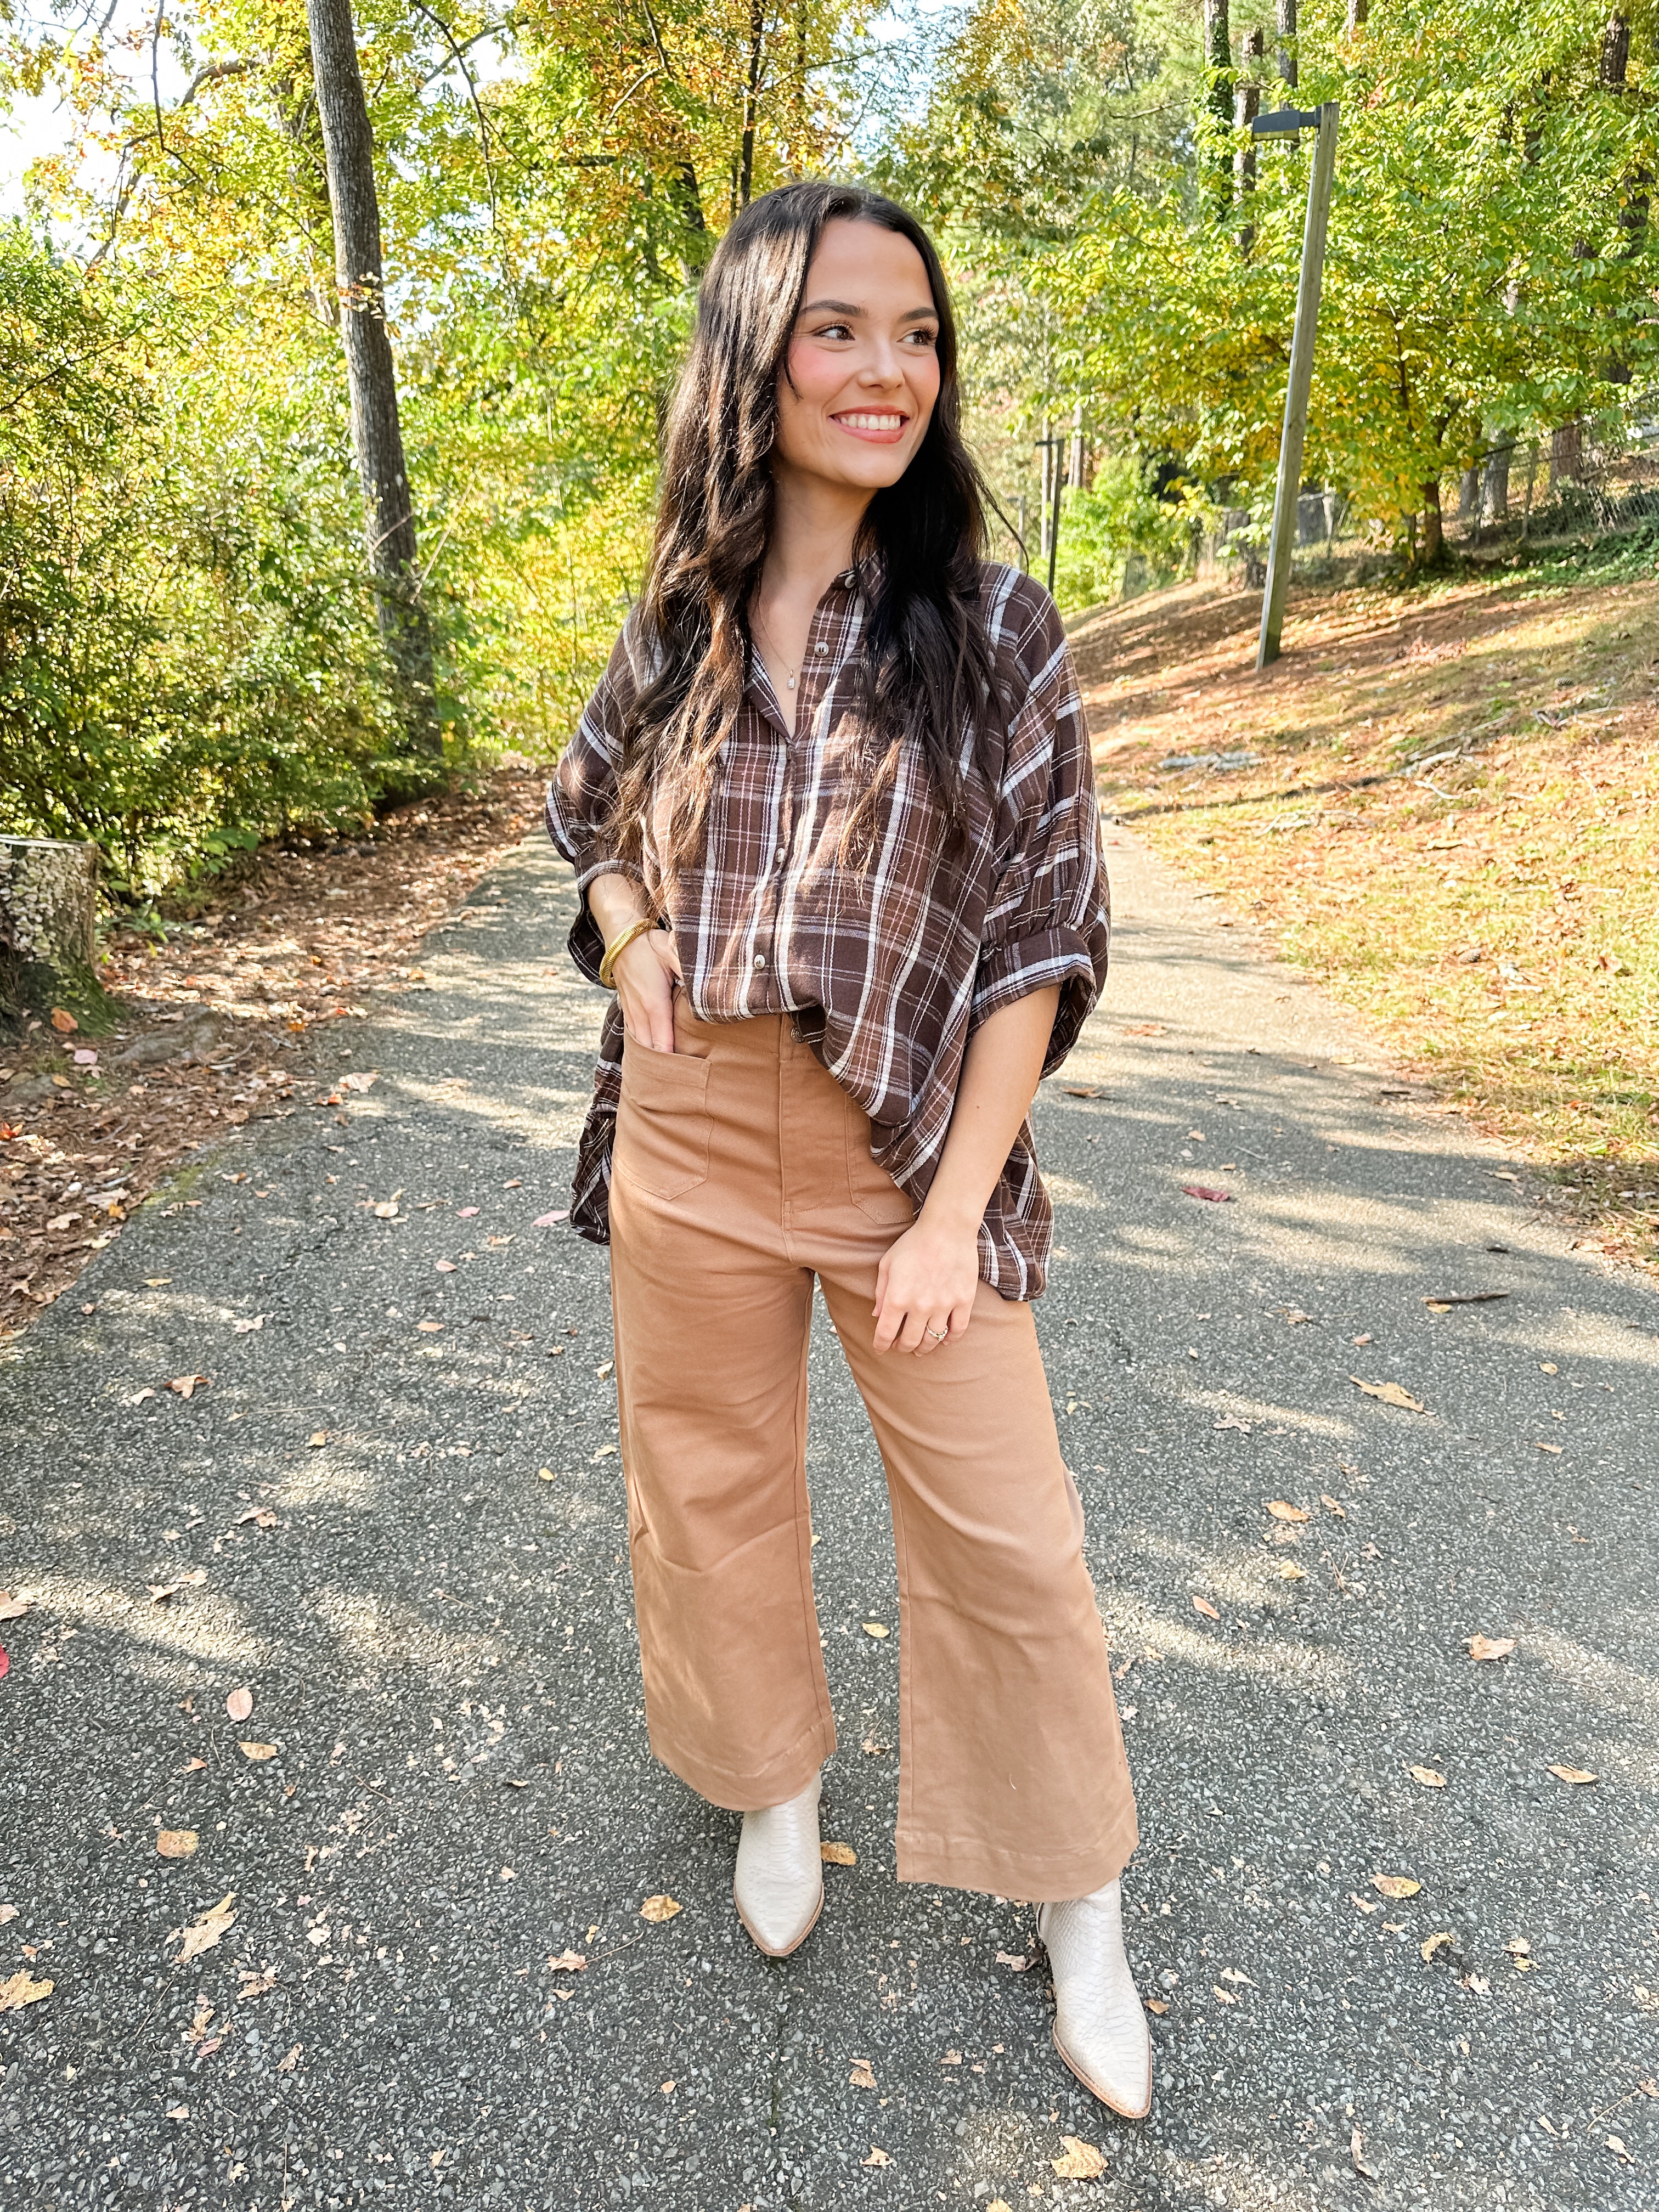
1434 535
1566 453
1468 496
1498 484
1247 106
1357 12
1287 66
389 513
1219 61
1615 52
752 99
48 900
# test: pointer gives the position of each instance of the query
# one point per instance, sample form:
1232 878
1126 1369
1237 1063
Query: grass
1494 913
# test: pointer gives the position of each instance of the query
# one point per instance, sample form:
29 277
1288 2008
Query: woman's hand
646 971
645 974
924 1286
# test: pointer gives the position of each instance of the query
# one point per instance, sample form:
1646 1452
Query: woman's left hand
925 1286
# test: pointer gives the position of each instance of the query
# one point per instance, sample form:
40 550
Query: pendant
791 684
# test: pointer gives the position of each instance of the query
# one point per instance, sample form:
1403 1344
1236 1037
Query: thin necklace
768 640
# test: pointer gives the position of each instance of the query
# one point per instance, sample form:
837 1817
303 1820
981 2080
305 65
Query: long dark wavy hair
925 673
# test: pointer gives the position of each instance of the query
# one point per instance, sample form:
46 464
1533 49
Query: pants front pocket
871 1188
662 1123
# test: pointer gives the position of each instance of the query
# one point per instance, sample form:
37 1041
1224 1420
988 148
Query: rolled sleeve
1048 921
580 797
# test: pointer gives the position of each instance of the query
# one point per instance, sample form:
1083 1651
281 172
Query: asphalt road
352 1518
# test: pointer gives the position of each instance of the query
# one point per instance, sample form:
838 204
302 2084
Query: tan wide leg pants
741 1170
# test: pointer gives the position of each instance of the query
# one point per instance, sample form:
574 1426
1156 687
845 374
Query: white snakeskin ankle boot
1100 2025
778 1887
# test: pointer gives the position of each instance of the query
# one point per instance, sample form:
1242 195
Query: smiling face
862 372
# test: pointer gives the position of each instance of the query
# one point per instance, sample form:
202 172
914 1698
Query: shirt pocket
872 1189
662 1122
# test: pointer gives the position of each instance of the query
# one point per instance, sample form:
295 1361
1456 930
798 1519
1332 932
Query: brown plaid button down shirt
888 966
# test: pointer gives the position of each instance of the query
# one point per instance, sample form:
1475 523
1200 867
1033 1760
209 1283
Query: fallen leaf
1224 1996
1390 1393
185 1385
951 2058
1238 1974
1356 2152
1143 1029
838 1853
659 1908
12 1608
160 1592
1443 1299
258 1752
239 1704
1157 2005
1436 1942
178 2111
1203 1190
1615 2144
668 2089
255 1985
1082 2161
1281 1511
549 1220
1365 1904
138 1397
872 1748
1014 1960
1290 1572
261 1516
604 1371
1555 1450
875 1628
21 1991
444 1266
1081 1090
176 1843
545 1474
287 2064
1395 1885
388 1208
1490 1647
466 1212
7 1912
877 2157
605 1451
316 1438
1202 1605
247 1328
568 1962
862 2076
1331 1506
202 1934
1428 1778
64 1022
356 1082
429 1327
1573 1774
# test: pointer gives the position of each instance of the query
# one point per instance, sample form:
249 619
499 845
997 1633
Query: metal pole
1296 397
1053 527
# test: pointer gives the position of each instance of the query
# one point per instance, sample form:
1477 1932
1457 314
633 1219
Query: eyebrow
846 307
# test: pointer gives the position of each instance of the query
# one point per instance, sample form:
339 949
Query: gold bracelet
607 964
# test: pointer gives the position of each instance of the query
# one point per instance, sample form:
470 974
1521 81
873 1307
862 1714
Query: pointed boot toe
1100 2024
778 1887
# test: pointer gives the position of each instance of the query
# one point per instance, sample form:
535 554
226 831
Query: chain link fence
1593 478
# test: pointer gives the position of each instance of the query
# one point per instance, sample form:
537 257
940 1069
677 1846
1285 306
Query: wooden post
48 903
1281 543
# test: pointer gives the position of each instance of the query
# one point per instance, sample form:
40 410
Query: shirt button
823 647
760 960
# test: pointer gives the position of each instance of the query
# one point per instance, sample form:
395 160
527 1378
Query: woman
835 830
